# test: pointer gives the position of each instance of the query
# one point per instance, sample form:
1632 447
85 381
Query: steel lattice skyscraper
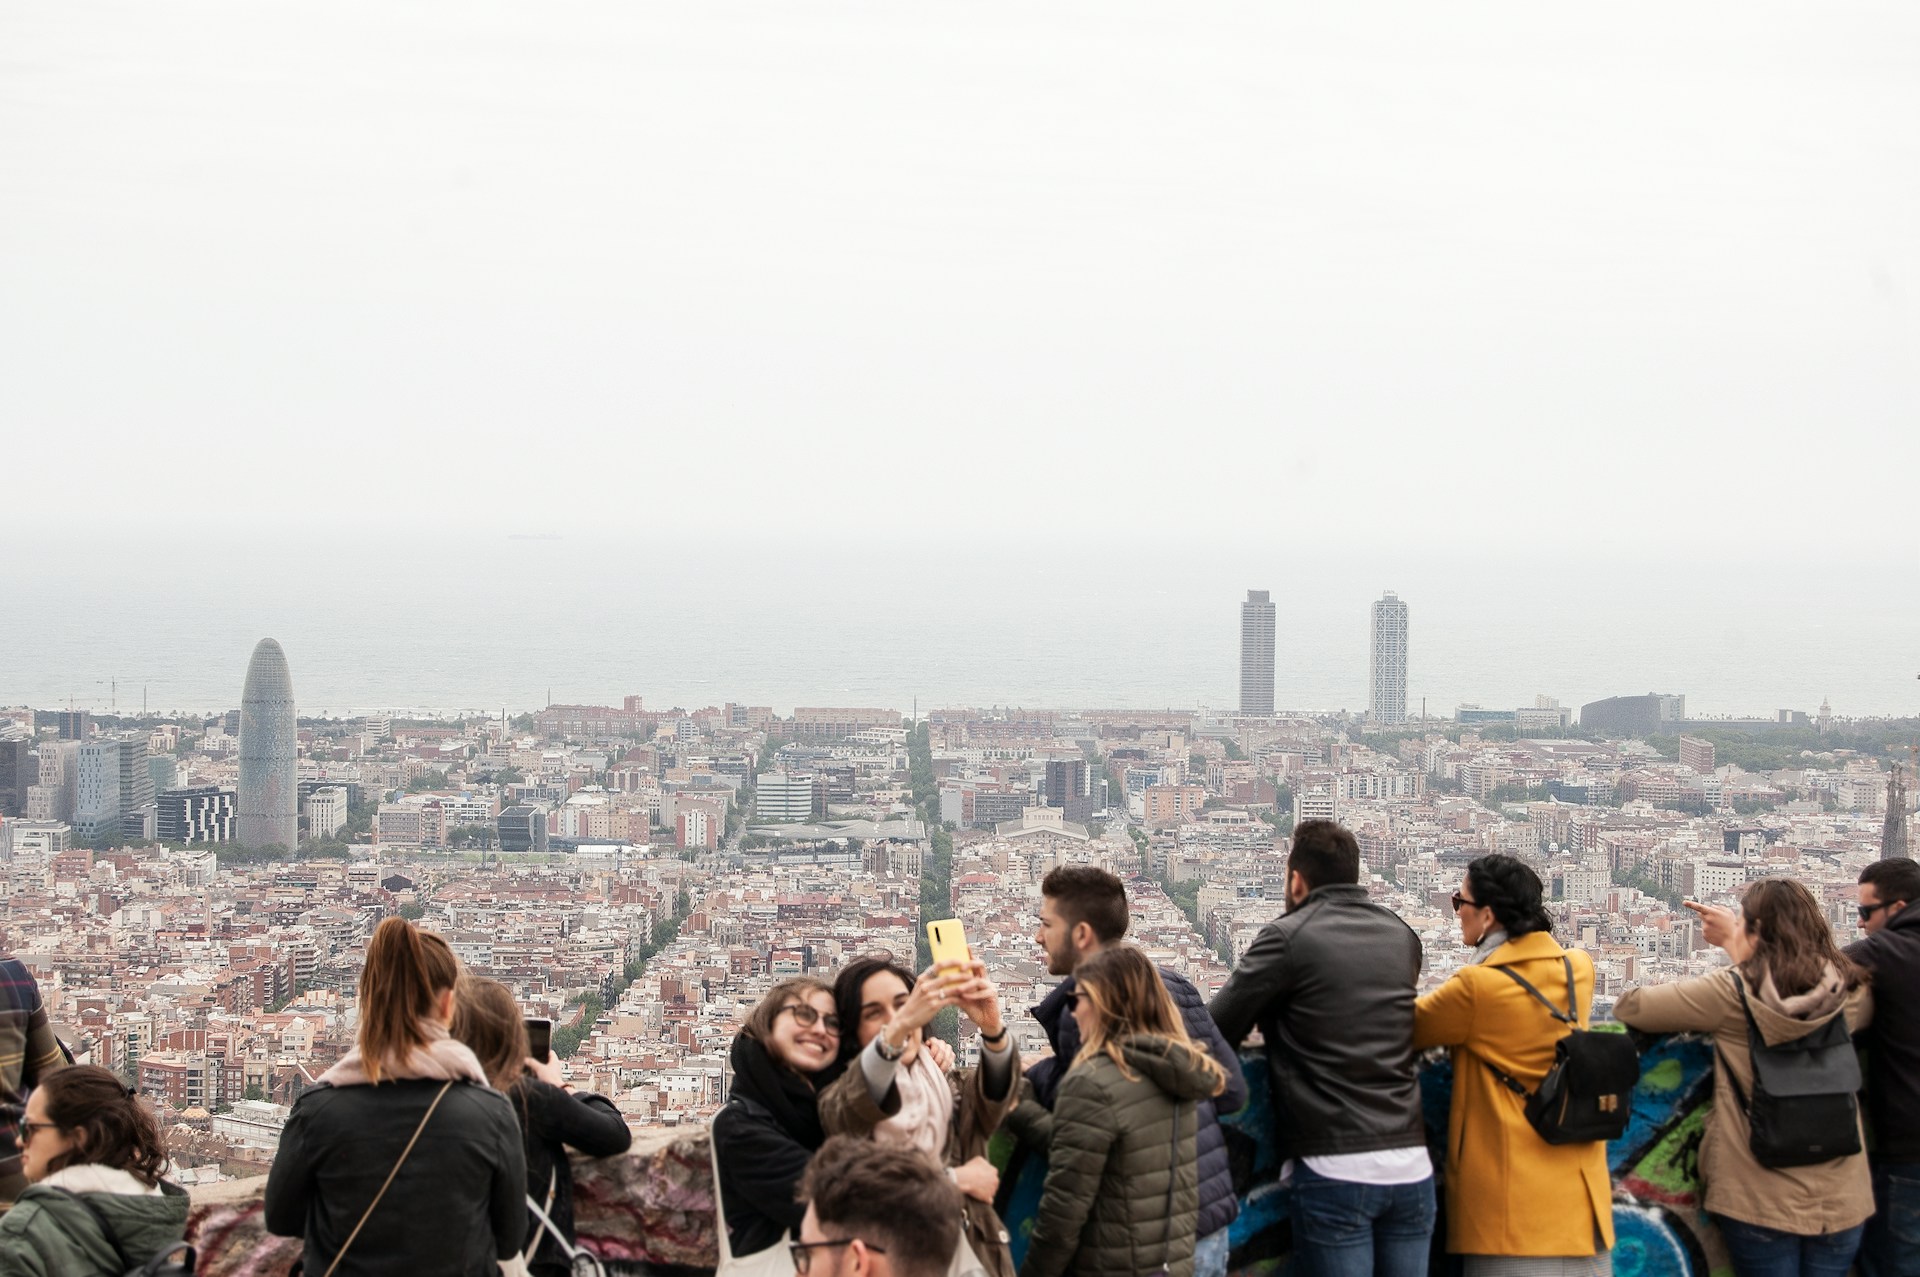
269 744
1256 654
1388 703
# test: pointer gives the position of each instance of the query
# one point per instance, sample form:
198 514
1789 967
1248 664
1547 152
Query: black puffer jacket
1218 1204
1893 1042
456 1208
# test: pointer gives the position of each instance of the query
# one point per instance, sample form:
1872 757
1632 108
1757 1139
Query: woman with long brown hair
1788 980
404 1129
553 1116
1122 1193
95 1204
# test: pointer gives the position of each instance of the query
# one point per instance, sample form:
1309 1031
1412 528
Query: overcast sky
1350 272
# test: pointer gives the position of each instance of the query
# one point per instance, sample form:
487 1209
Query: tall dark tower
269 745
1256 654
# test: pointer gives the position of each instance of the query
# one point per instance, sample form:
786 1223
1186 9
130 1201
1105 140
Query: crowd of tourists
851 1143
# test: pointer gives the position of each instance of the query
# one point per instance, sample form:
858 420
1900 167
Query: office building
1697 754
204 813
52 797
138 820
1256 653
19 772
75 724
1388 702
1066 779
783 796
1634 715
326 812
269 746
96 798
1315 804
523 828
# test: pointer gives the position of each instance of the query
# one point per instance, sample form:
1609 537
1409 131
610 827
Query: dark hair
488 1020
1895 878
1324 853
1791 939
847 988
1506 886
888 1195
759 1022
1082 893
407 968
107 1124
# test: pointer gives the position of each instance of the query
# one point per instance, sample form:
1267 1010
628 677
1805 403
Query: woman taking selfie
94 1205
553 1116
1788 980
1122 1193
898 1093
785 1054
402 1132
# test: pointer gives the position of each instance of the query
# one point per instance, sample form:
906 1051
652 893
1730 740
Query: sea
459 621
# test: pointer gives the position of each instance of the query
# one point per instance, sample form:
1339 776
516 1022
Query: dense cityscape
194 894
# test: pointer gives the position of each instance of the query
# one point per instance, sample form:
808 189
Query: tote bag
774 1261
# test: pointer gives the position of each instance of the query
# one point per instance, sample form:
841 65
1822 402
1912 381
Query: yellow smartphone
948 941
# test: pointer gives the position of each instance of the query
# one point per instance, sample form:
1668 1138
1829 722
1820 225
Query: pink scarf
926 1110
442 1060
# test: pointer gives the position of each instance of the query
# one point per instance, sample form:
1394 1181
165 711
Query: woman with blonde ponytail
403 1131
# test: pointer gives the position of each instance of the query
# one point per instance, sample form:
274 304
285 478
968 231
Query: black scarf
791 1097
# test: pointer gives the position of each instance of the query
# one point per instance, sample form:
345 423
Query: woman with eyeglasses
783 1057
95 1204
1515 1203
1788 979
899 1094
1122 1193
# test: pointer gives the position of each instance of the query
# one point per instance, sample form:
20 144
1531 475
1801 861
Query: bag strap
368 1213
719 1207
553 1182
1753 1035
1565 1017
567 1248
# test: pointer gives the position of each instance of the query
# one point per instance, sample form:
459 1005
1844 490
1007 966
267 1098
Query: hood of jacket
1783 1019
141 1222
1181 1073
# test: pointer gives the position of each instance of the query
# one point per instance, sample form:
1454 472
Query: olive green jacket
1112 1141
49 1234
847 1108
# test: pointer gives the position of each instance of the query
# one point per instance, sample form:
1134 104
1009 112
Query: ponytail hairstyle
407 970
488 1020
1791 939
1130 998
1512 890
107 1124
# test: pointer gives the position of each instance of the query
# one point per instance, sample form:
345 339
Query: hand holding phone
540 1038
947 940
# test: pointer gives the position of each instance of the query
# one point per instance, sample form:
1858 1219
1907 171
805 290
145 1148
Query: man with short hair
1330 985
1084 909
1888 889
875 1210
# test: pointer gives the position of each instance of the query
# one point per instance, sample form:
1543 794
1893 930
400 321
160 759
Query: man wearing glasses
875 1210
1888 889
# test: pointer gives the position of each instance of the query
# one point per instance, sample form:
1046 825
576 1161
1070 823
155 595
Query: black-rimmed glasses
1461 902
802 1252
28 1128
806 1017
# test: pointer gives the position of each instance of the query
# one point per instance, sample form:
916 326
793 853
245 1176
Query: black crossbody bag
1587 1096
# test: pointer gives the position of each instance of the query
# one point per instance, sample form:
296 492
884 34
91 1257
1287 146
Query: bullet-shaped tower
269 791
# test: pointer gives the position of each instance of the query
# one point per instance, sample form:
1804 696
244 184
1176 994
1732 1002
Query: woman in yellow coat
1517 1206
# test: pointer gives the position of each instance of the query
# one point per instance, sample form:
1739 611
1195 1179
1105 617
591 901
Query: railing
650 1211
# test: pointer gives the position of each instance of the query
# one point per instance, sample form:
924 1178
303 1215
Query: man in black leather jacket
1084 909
1330 985
1890 915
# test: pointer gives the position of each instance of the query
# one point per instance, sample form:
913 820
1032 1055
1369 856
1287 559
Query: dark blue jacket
1218 1205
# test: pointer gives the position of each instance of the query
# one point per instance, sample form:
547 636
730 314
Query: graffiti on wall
1661 1228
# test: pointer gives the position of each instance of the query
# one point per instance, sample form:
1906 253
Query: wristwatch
888 1054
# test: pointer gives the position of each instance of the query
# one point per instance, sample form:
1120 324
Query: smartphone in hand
947 939
540 1039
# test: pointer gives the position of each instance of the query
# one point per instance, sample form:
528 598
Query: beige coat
1807 1200
847 1108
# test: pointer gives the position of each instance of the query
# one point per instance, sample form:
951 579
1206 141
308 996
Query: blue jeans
1768 1252
1892 1244
1210 1254
1360 1230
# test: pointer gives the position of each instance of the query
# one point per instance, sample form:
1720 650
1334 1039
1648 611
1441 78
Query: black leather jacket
1893 1040
1331 986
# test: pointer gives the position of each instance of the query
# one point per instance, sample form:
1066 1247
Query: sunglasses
28 1128
806 1017
802 1252
1461 902
1867 911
